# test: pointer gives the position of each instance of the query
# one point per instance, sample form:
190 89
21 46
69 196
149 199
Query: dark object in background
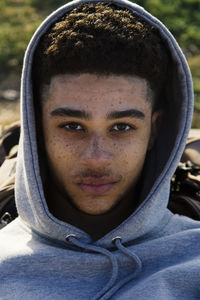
9 140
8 154
185 184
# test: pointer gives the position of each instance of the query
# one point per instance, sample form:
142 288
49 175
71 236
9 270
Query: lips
96 186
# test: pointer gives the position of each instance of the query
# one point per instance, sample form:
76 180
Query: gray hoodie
153 254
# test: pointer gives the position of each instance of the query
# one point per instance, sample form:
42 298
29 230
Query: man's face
97 130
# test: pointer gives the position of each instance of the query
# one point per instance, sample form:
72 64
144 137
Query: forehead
93 92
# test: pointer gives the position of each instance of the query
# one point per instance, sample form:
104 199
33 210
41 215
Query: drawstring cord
109 289
130 254
137 262
72 239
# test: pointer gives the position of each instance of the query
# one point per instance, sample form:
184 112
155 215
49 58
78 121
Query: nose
96 153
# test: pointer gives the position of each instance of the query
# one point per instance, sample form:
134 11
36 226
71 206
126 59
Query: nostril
69 236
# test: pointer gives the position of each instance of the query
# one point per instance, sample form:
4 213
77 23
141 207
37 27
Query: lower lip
96 189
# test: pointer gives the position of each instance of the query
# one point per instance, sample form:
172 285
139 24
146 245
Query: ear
155 124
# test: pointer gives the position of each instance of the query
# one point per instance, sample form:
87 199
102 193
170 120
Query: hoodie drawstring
109 289
138 269
130 254
72 239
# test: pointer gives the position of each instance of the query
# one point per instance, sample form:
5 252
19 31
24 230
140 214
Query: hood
160 163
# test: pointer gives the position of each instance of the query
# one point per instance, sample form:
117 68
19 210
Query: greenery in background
182 18
20 18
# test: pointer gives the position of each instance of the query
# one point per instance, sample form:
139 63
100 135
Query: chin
96 210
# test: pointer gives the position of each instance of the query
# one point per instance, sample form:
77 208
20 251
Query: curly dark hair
101 39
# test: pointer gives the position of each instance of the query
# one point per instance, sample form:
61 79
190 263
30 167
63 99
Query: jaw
95 224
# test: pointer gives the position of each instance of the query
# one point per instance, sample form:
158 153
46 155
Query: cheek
132 155
60 152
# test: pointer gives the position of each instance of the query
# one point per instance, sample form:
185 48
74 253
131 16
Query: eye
72 126
122 127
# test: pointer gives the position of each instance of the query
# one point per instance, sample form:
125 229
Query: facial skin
97 131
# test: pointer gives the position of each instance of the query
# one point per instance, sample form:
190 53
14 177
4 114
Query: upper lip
96 181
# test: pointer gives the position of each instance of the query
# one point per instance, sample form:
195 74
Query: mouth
94 186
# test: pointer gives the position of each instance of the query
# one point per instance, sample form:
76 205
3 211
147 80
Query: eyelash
81 128
131 127
70 124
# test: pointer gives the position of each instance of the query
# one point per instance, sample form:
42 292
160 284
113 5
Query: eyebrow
130 113
68 112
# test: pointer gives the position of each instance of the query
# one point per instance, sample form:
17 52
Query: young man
106 109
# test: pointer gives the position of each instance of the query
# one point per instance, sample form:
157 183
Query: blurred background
20 18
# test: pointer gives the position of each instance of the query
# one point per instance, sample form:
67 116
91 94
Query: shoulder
13 238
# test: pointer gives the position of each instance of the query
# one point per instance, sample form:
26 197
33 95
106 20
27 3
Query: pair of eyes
118 127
